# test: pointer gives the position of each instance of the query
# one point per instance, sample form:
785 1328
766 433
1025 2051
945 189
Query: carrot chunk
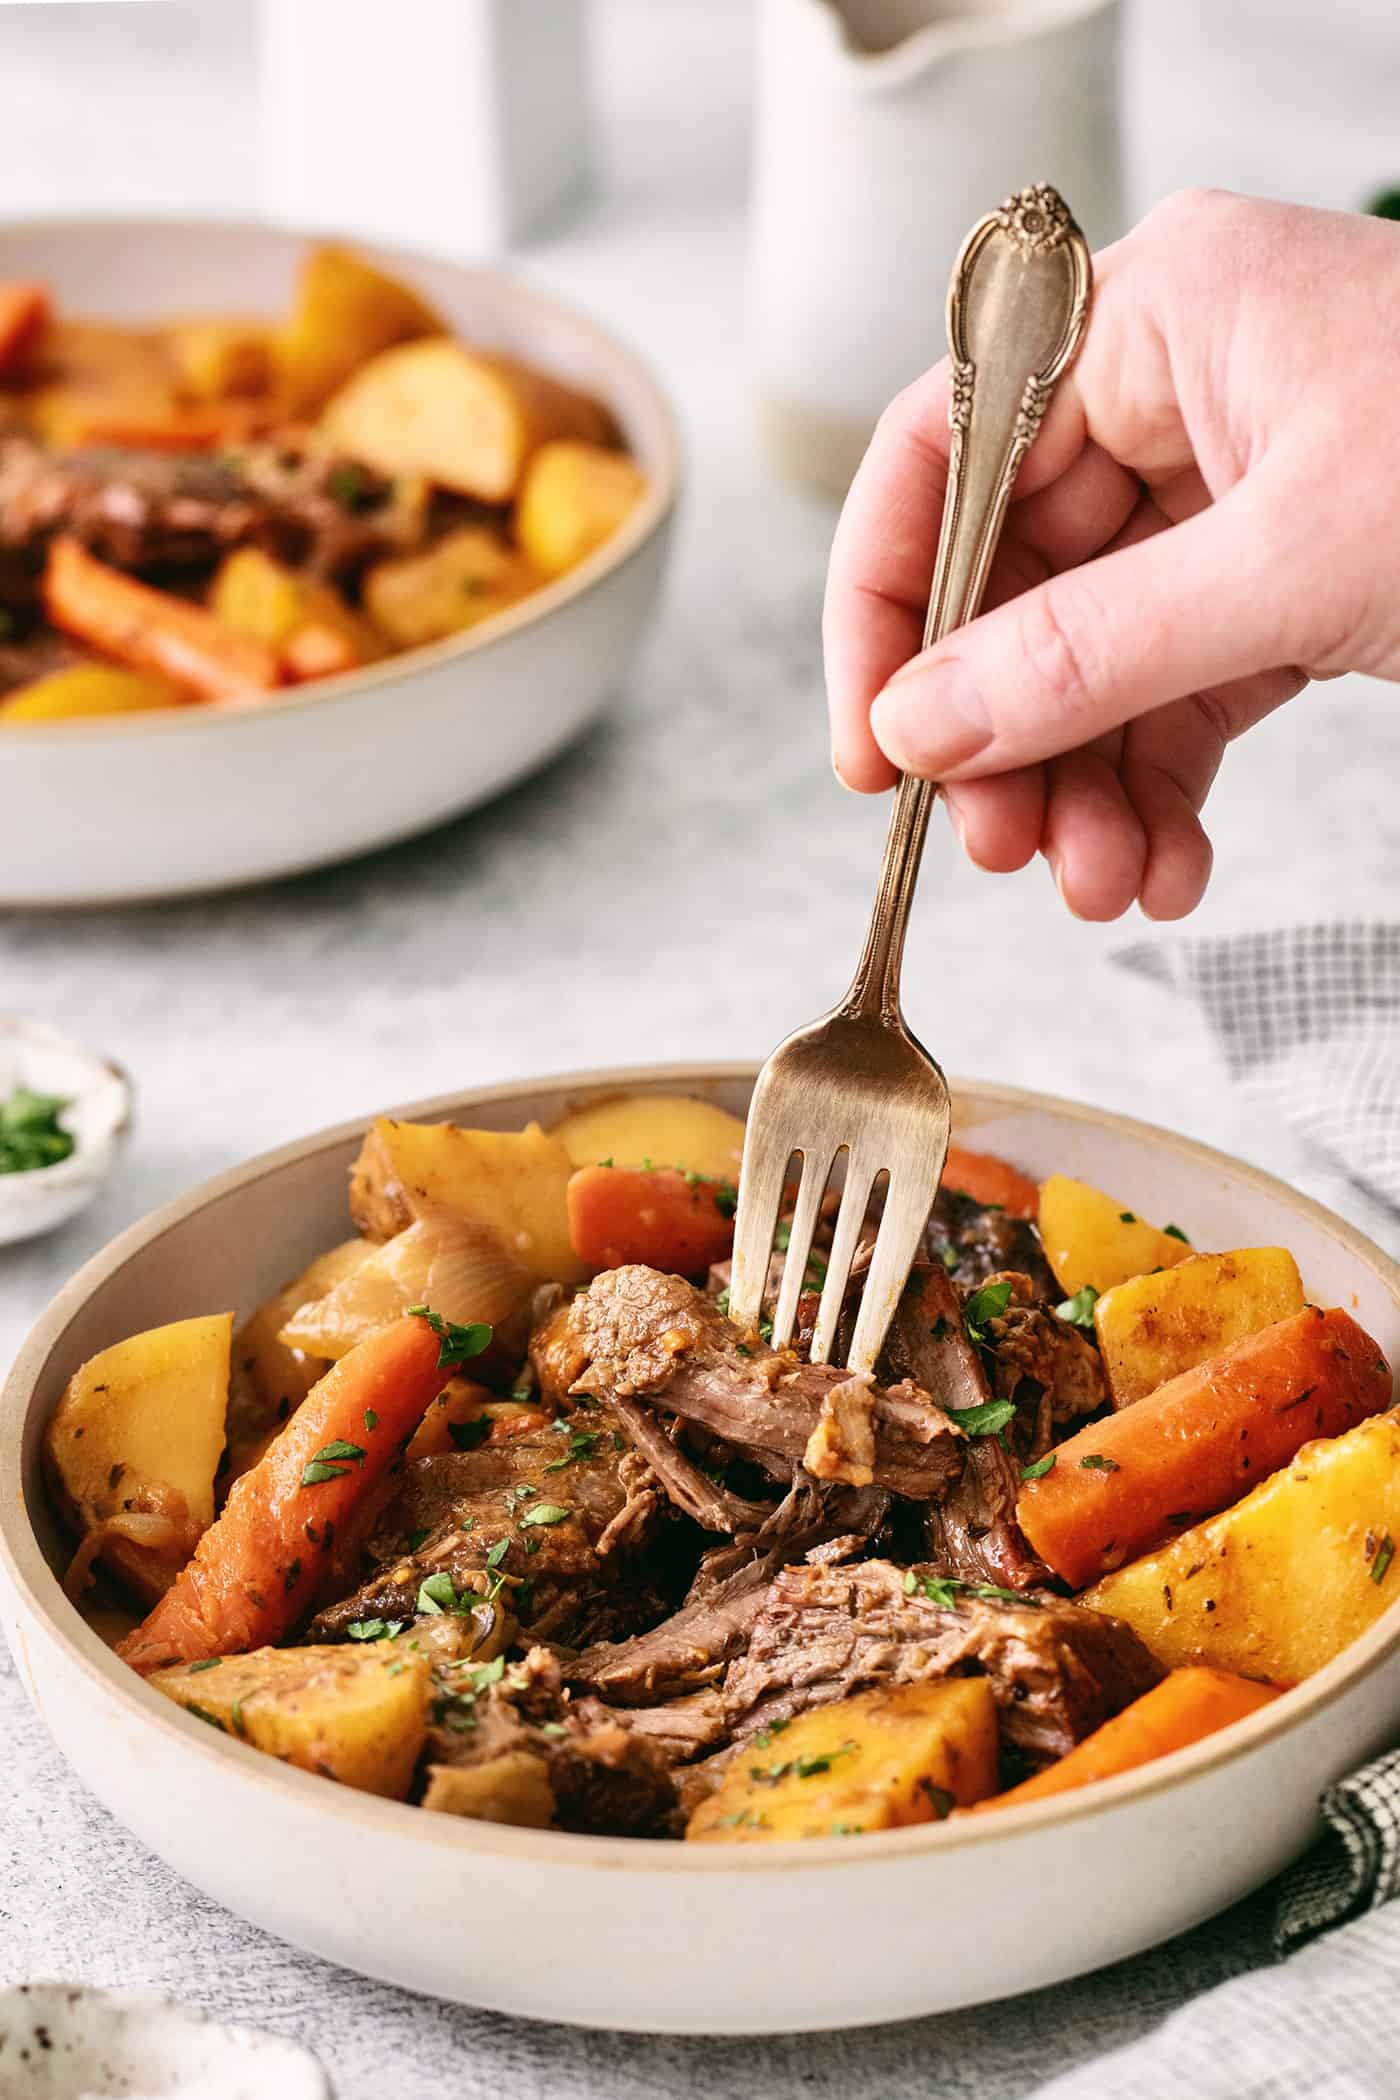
655 1215
151 630
24 311
990 1180
256 1570
1119 1487
1186 1706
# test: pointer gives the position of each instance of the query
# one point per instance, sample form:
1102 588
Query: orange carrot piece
655 1215
988 1179
318 650
258 1567
24 312
1121 1486
150 629
1186 1706
73 419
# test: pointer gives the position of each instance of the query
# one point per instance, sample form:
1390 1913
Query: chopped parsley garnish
1127 1217
799 1767
459 1344
943 1590
437 1594
782 1238
416 1538
722 1303
726 1198
985 1305
202 1713
765 1330
950 1258
30 1133
582 1443
941 1802
545 1513
498 1553
371 1421
209 1662
1174 1232
375 1629
346 484
1384 1555
1095 1464
331 1462
235 1714
1040 1468
986 1419
1078 1311
317 1471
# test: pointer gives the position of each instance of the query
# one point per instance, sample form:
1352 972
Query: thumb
1189 608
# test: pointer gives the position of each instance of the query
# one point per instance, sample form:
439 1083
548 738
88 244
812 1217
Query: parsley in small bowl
64 1111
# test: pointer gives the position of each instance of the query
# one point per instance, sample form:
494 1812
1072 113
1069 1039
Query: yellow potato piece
263 598
508 1184
467 419
1093 1238
1278 1585
573 498
345 311
511 1788
217 359
89 689
1152 1327
355 1714
665 1130
137 1435
467 577
883 1758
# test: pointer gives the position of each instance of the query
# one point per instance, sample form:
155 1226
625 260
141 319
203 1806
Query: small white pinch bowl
98 1094
645 1934
66 2041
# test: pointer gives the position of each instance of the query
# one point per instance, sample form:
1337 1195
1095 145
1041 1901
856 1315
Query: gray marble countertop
690 880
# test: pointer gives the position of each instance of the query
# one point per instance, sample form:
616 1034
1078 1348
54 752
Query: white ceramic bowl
198 798
699 1939
98 1115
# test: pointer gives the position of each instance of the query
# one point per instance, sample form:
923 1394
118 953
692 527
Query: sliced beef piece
975 1242
683 1729
688 1651
1057 1670
167 514
1045 1364
604 1776
569 1578
638 1334
712 1505
973 1532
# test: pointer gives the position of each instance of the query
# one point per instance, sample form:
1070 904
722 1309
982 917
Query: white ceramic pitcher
885 128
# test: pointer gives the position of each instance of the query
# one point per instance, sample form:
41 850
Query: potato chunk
264 599
511 1184
1278 1585
133 1446
467 577
1152 1327
1093 1238
573 498
467 419
658 1130
217 359
358 1715
511 1788
89 689
888 1757
345 312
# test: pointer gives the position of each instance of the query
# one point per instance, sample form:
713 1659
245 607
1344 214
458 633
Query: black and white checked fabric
1307 1019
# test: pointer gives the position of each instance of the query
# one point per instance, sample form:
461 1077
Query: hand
1207 519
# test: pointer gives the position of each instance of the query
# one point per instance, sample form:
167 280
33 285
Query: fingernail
1056 867
840 776
932 717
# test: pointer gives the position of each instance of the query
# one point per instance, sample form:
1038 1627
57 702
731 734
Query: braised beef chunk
1057 1670
602 1775
636 1334
161 513
974 1241
1052 1371
684 1728
552 1522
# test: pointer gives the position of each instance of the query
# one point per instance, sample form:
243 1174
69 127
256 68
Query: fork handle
1017 303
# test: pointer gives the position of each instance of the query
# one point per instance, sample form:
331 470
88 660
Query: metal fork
857 1080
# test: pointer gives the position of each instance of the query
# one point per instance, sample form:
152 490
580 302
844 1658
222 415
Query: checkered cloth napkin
1308 1022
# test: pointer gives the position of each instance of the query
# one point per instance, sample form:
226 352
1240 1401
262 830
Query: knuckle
1054 634
1197 209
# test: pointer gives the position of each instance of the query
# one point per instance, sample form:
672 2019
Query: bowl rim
39 1591
646 520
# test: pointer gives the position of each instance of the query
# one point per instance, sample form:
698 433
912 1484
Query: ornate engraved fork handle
1017 304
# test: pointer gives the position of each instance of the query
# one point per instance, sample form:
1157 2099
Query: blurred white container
885 129
458 126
